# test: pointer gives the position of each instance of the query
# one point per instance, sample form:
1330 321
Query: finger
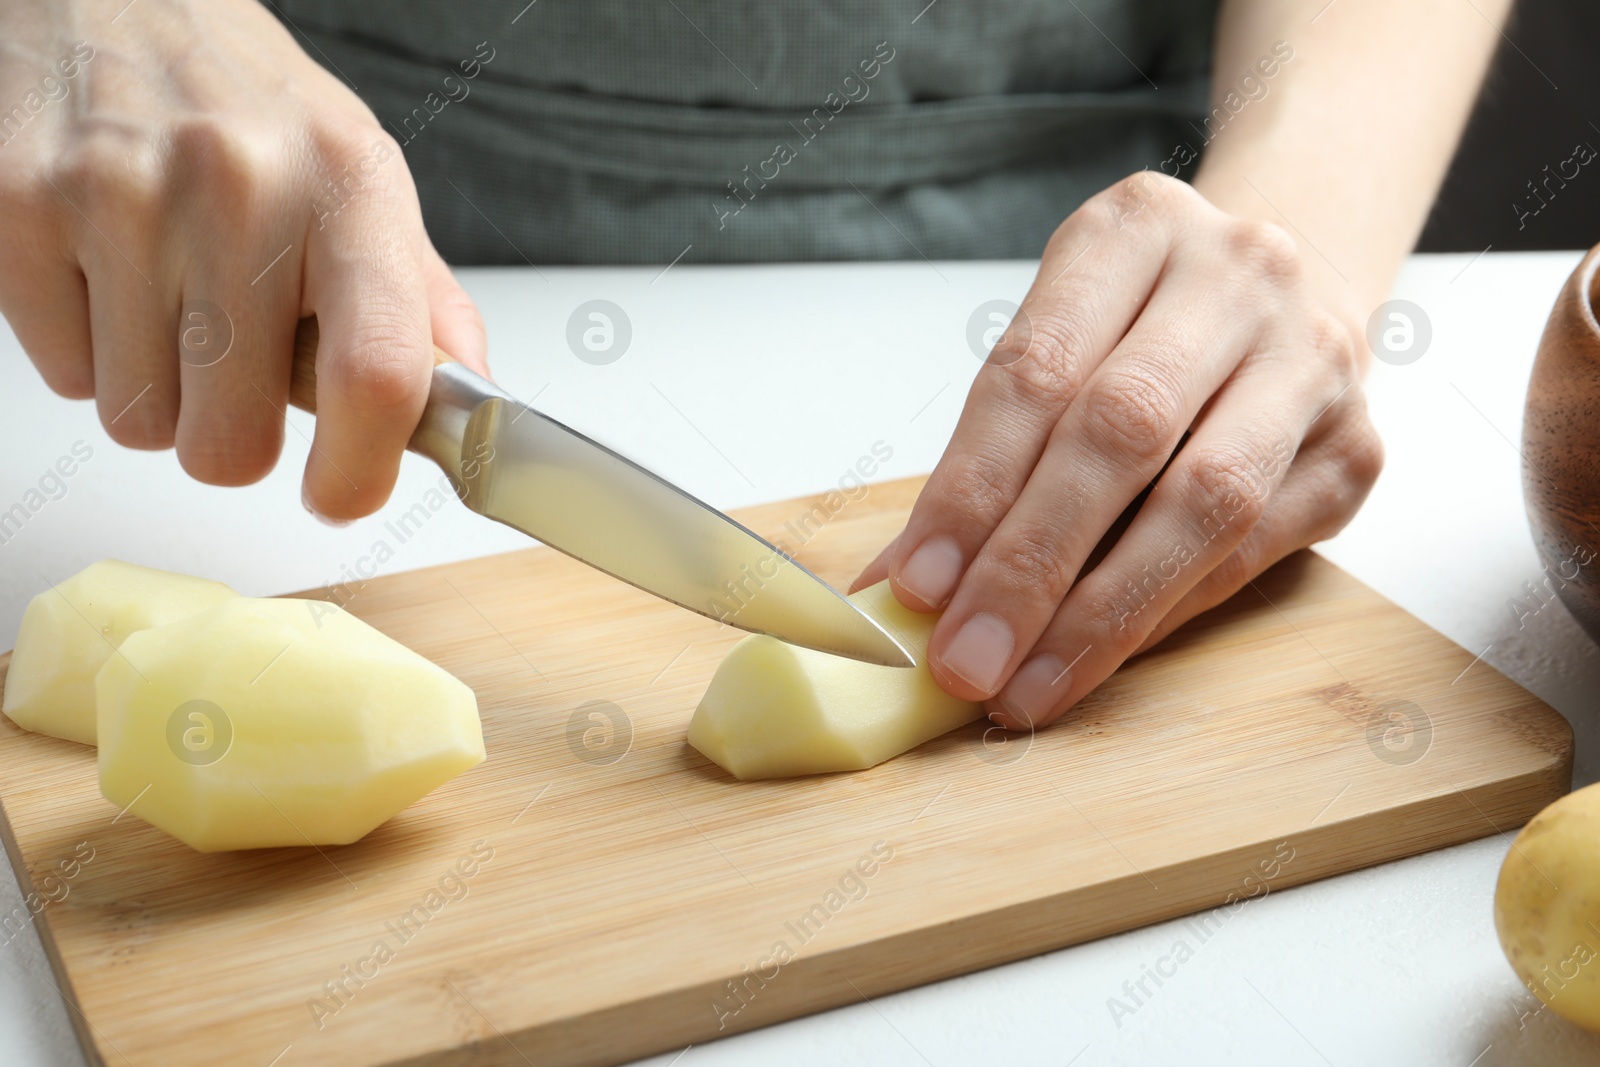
45 297
877 570
1202 510
1110 445
235 344
113 196
47 305
133 329
240 306
365 284
457 322
1096 274
1324 488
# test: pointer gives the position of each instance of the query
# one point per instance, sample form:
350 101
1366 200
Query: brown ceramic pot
1561 447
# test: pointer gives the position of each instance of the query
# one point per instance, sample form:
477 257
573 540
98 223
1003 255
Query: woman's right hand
179 180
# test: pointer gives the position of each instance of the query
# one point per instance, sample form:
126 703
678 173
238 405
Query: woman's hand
179 180
1168 346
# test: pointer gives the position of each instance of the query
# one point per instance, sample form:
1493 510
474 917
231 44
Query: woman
1200 341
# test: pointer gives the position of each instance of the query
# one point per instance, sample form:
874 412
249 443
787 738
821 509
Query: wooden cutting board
597 891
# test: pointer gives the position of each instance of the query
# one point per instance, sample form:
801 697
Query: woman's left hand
1165 345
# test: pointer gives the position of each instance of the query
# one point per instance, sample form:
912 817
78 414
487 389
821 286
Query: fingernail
931 573
1035 690
980 651
305 502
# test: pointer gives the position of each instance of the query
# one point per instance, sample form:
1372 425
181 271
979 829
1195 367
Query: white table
754 384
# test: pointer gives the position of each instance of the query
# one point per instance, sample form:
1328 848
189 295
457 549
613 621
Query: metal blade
529 471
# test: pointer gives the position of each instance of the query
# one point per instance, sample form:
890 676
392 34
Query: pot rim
1585 290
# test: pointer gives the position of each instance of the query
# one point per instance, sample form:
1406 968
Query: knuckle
1118 611
73 386
1100 212
1363 460
379 368
1355 446
1042 361
1346 465
66 370
228 459
147 431
977 485
108 167
338 143
74 380
1124 200
1236 568
1228 490
217 162
1132 414
1266 248
1150 186
1031 562
352 155
1330 338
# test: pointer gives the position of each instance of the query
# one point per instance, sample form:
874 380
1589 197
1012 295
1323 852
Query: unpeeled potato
1547 906
776 710
69 631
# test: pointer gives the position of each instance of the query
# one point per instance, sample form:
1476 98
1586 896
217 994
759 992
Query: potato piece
261 723
774 710
1547 906
68 632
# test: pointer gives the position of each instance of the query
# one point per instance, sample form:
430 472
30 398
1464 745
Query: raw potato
68 632
262 723
775 710
1547 906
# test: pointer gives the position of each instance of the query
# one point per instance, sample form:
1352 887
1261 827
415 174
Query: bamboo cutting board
597 891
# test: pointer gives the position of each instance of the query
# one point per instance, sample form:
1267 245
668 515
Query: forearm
1350 142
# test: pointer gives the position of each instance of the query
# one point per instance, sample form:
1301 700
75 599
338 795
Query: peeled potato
774 710
69 631
1547 906
262 723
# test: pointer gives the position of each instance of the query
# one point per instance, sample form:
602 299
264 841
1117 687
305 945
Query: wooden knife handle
303 375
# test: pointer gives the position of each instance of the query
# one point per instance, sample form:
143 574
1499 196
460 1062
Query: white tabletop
753 384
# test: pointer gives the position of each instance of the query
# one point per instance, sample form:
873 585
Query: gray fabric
625 131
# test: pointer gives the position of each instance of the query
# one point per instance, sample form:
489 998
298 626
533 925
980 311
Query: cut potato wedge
262 723
774 710
70 631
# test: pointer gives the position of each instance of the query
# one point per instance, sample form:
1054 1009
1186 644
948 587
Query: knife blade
516 465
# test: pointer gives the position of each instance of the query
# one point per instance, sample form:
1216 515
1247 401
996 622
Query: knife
518 466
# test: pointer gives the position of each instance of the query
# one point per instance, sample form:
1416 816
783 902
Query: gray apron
639 131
